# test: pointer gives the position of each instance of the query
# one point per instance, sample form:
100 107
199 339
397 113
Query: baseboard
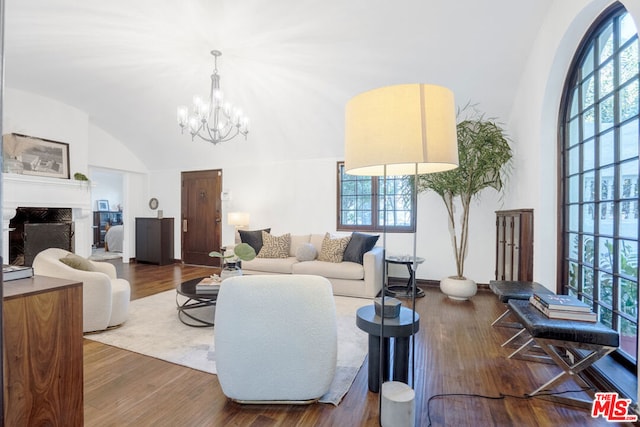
429 283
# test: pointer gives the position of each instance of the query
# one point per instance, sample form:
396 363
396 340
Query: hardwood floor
457 352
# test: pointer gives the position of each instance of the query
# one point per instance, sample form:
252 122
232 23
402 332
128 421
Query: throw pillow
77 262
306 252
333 249
359 244
253 238
275 246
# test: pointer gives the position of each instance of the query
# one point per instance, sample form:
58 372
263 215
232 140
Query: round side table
399 290
401 329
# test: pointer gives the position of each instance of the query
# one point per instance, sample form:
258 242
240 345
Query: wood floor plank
457 351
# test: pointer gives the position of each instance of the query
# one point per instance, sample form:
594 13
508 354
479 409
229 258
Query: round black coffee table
188 310
405 291
401 329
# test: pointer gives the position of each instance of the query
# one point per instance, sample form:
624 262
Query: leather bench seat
540 326
510 289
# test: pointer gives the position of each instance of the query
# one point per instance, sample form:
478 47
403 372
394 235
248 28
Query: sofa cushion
331 270
306 252
296 242
253 238
270 265
359 244
275 246
77 262
333 249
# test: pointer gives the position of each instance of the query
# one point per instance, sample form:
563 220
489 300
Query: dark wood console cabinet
514 245
43 365
154 240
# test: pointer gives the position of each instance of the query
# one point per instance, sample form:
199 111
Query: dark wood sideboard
43 371
154 240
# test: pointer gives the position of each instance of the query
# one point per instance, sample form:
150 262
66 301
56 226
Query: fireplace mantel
42 192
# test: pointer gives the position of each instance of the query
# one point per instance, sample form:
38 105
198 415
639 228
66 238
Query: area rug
153 329
100 254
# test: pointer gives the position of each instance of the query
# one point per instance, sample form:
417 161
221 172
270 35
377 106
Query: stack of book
208 285
14 272
563 307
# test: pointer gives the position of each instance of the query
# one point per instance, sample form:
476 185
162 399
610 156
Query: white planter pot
458 289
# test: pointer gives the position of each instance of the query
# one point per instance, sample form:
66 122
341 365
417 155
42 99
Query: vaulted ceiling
291 64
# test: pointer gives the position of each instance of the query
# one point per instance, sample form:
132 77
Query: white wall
35 115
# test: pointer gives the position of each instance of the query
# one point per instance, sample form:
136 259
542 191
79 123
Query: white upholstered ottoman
275 338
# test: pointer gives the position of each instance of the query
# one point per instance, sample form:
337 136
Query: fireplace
35 229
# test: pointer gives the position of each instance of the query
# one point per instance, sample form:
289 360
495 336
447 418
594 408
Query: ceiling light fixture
214 120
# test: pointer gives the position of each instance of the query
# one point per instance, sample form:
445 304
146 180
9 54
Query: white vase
230 269
458 289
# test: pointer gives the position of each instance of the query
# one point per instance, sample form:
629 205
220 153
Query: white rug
99 254
153 329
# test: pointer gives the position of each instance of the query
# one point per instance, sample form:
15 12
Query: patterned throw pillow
275 246
333 249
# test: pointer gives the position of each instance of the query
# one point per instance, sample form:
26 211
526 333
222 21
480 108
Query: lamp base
398 405
391 307
400 291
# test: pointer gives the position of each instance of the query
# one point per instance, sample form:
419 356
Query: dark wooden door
201 216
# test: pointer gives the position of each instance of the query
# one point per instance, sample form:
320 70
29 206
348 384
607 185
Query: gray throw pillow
306 252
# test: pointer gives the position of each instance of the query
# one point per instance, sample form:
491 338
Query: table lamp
407 129
240 220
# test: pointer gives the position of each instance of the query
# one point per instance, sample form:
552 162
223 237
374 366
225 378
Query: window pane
629 219
588 155
627 28
588 217
574 160
587 281
606 80
588 93
589 189
587 65
628 259
605 286
573 275
574 240
607 179
574 218
606 114
629 337
629 62
606 149
574 134
588 253
588 123
629 140
605 42
629 179
629 101
629 297
574 187
605 250
574 103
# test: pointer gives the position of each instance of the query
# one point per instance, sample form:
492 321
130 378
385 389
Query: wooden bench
555 337
507 290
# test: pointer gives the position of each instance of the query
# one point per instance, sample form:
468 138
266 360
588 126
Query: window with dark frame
599 177
361 202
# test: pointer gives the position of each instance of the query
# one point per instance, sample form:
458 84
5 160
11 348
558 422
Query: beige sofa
347 278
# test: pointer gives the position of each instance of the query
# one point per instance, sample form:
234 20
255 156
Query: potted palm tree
484 159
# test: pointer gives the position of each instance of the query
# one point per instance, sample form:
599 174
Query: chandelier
214 120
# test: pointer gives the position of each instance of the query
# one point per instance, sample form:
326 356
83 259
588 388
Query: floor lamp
401 130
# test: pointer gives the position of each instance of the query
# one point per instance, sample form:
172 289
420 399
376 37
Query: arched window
599 176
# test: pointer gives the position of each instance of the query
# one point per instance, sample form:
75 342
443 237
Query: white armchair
275 338
105 298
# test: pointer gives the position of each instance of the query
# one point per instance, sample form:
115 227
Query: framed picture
103 205
36 156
